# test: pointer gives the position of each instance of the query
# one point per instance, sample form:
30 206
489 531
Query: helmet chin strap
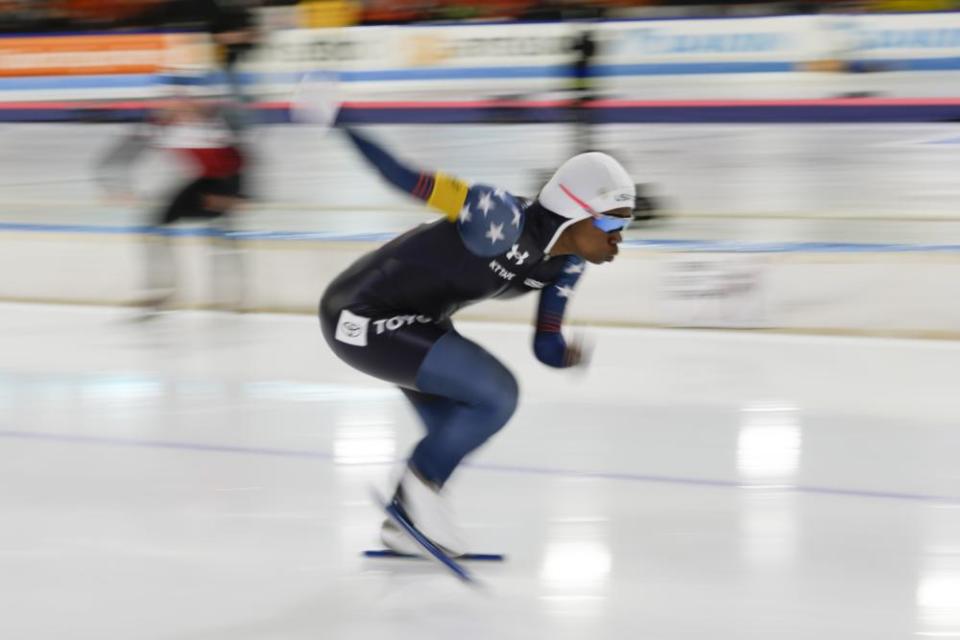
559 245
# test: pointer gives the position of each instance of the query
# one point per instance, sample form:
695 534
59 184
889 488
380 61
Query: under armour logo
514 254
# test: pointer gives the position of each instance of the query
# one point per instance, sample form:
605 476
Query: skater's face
592 243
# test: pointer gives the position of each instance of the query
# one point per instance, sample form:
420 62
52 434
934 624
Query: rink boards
835 228
856 289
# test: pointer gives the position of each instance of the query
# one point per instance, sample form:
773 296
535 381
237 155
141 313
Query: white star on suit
516 217
495 233
500 193
574 268
485 203
564 291
465 213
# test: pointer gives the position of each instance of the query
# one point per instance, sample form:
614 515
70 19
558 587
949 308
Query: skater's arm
237 116
489 220
440 191
113 167
549 345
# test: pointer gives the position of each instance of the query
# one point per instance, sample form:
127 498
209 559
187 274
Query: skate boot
427 510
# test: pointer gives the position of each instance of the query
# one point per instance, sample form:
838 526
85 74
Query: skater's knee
458 369
498 396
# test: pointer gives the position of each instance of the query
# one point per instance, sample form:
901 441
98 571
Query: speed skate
467 557
397 515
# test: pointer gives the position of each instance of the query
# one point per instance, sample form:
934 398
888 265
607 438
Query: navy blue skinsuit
389 313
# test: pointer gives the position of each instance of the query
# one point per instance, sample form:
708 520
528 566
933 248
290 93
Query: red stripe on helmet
580 202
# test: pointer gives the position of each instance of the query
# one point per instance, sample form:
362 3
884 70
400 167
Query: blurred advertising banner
385 52
776 58
713 290
100 54
315 14
711 46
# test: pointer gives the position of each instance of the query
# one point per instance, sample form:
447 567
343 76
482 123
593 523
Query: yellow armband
448 195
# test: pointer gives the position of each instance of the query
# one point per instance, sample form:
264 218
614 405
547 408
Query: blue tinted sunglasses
609 224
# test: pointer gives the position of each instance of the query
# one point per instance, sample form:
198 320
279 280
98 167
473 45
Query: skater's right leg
220 201
466 397
160 277
392 347
461 392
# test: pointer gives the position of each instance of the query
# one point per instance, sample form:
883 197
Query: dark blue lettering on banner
911 39
655 41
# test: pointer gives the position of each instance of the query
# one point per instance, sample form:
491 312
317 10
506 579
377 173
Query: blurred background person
584 49
208 135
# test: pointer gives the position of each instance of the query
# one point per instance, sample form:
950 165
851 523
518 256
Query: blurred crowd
42 16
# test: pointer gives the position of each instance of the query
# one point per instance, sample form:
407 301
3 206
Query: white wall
869 293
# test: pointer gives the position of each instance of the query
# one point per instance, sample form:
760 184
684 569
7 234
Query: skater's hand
553 350
316 99
578 352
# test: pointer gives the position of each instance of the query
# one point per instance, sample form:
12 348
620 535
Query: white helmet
588 184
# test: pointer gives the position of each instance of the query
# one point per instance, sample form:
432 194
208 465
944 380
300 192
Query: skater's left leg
465 396
434 411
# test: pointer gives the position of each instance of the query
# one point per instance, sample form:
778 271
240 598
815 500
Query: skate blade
414 534
467 557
